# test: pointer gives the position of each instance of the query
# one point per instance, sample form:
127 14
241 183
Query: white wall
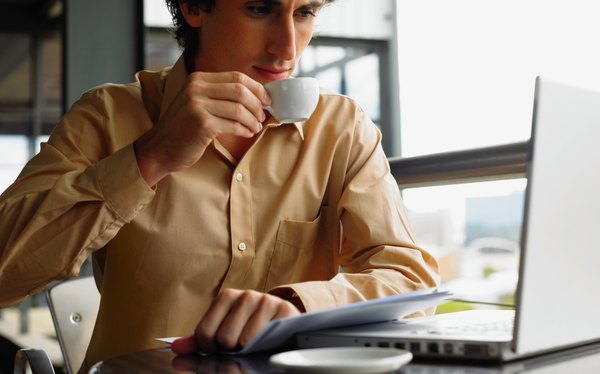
467 68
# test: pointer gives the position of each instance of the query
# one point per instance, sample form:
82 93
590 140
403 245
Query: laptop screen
557 295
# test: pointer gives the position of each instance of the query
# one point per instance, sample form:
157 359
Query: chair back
34 361
74 306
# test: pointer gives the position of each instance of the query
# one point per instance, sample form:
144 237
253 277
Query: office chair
73 306
36 361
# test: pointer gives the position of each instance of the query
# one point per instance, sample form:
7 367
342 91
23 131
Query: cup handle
269 109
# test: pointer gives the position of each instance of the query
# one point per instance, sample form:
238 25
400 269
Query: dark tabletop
575 361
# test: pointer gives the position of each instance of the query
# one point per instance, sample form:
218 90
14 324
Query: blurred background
449 82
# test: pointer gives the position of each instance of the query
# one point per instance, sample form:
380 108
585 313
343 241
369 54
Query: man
197 206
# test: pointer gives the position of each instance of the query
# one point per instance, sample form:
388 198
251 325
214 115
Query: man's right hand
209 105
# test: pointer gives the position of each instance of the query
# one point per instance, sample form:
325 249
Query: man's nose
282 41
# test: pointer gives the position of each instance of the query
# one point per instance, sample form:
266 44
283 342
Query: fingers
236 118
235 317
208 106
185 345
233 96
269 308
206 331
237 78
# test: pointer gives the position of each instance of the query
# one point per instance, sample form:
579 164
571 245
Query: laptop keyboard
459 327
491 328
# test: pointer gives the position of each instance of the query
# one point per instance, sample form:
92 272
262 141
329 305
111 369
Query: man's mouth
272 73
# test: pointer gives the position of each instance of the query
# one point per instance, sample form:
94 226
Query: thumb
185 345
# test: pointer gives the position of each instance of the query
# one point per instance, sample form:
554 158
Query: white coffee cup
293 99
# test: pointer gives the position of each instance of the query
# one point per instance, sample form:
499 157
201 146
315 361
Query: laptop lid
557 296
556 299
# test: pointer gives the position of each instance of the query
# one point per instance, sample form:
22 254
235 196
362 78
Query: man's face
262 38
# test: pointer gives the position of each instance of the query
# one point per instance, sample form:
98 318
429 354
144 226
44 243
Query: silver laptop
558 297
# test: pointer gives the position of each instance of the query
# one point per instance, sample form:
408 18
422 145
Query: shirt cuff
290 295
313 295
123 188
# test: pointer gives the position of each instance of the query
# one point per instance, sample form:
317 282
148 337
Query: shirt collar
272 122
173 84
176 79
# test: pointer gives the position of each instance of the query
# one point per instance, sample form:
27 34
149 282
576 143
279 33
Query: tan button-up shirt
272 219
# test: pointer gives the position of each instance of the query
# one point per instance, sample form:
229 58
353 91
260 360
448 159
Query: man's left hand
232 320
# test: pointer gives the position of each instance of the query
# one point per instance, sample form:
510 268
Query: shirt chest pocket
304 251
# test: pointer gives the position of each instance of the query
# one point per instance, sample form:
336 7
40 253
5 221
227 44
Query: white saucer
342 360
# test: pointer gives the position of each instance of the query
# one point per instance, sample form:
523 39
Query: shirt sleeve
68 201
379 256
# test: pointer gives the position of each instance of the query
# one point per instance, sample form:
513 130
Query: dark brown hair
187 36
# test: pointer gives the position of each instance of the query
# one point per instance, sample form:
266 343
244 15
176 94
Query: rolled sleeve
121 184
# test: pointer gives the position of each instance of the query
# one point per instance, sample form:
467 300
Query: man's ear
191 13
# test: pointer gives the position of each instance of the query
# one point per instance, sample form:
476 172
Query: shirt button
239 177
242 246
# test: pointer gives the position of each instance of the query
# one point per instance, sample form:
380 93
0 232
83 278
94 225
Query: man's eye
307 13
260 10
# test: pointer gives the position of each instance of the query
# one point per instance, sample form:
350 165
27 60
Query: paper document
279 332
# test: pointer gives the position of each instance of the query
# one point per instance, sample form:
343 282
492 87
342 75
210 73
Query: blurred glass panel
347 70
474 230
308 60
318 57
51 71
15 69
161 49
325 55
362 84
30 90
156 14
14 153
330 79
314 61
370 19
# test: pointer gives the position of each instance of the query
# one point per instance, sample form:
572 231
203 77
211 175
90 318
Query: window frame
507 161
